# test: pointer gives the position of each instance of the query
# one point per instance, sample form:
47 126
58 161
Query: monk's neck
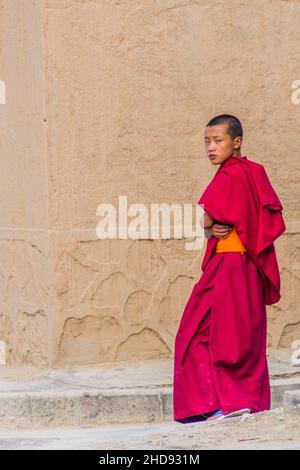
232 157
235 155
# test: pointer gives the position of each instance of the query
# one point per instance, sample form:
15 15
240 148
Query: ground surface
270 430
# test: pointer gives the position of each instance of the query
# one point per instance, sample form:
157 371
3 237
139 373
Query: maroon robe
220 347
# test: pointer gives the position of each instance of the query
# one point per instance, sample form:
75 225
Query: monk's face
219 144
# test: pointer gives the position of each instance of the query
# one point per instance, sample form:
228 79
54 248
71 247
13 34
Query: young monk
220 363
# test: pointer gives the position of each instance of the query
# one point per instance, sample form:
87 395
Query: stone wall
109 98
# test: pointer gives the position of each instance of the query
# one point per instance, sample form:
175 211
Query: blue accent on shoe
217 412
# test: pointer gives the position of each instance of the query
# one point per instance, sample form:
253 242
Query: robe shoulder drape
242 195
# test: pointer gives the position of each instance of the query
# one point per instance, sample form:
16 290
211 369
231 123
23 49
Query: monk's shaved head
234 127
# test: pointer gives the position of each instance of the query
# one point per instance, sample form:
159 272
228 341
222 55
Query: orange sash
230 243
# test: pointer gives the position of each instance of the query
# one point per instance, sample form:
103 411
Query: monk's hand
220 230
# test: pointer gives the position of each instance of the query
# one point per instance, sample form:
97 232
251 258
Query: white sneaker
238 413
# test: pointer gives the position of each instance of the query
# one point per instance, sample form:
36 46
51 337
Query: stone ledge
291 400
113 393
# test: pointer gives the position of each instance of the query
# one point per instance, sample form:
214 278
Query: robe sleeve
218 196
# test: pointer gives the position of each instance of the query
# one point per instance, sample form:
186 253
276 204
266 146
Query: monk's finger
221 235
222 231
218 226
221 227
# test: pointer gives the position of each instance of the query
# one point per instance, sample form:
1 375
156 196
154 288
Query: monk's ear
238 142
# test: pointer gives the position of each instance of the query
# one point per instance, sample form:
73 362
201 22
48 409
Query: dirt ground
275 429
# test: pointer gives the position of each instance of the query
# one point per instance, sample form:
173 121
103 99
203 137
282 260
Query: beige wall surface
25 272
108 98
